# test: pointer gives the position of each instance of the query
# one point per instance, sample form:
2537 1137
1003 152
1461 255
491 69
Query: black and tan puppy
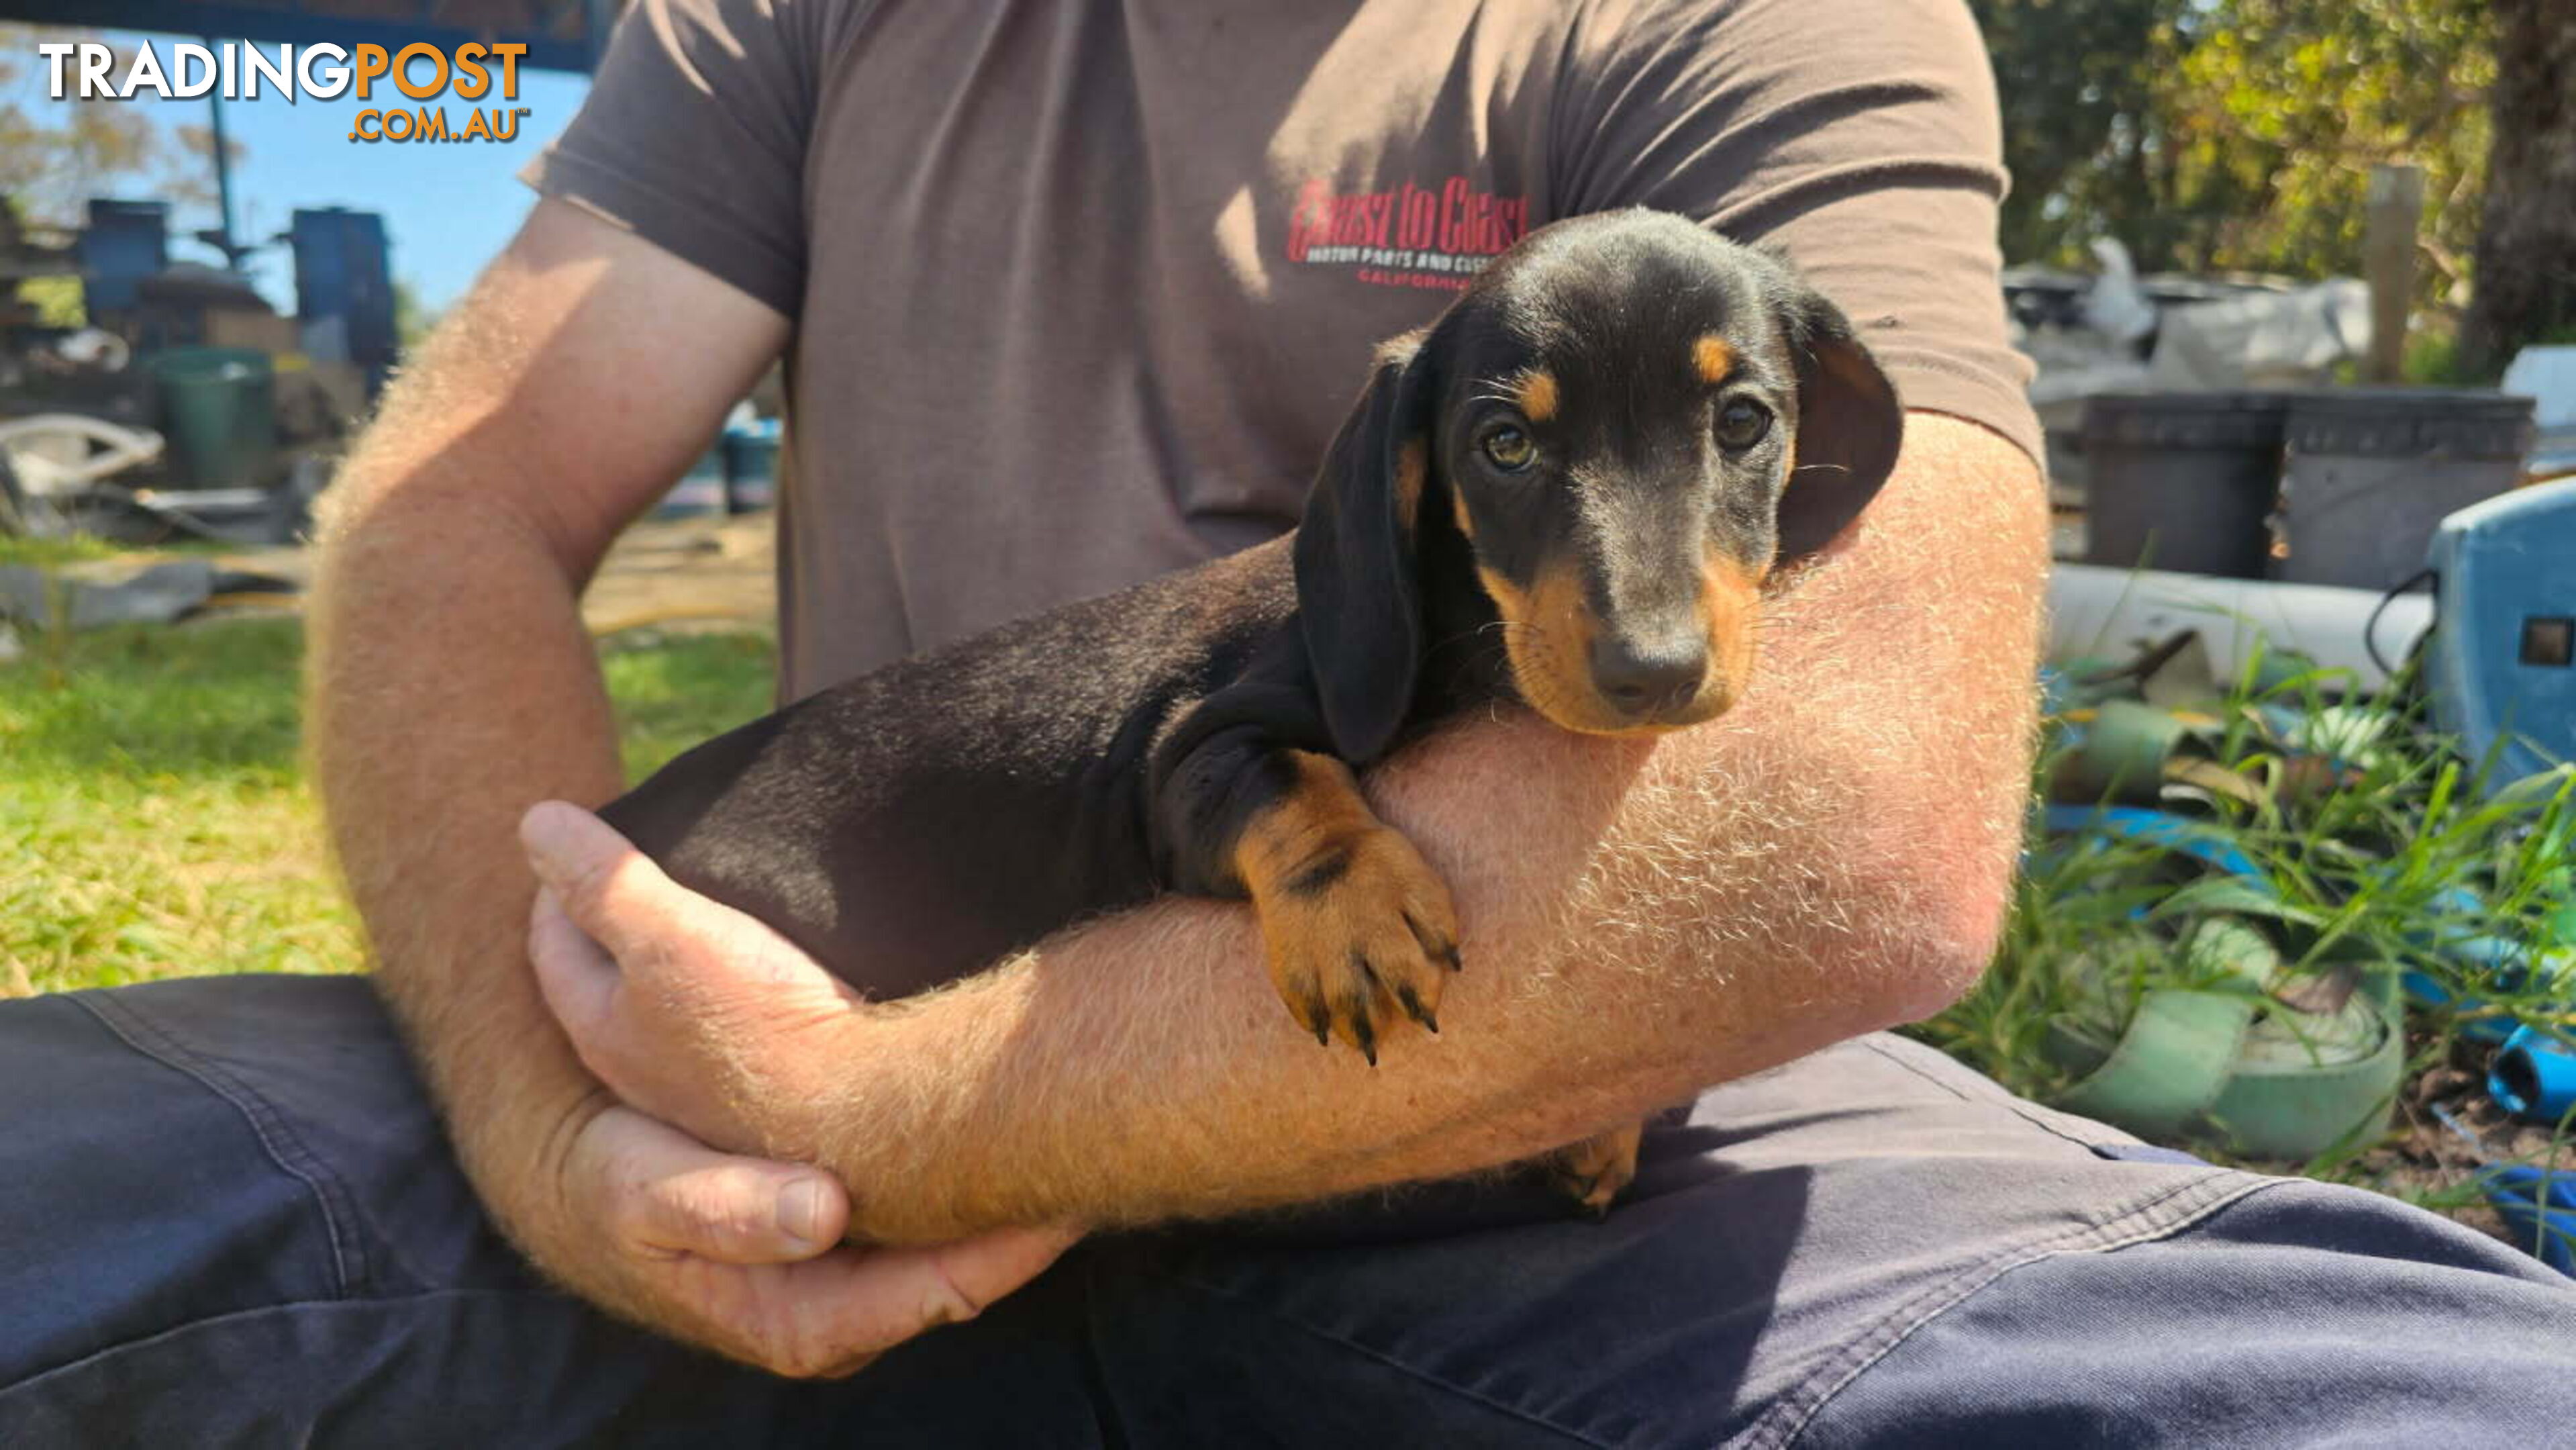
1604 448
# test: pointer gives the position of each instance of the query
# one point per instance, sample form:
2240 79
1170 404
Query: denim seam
2164 1215
2015 1105
1382 1357
38 1380
277 1139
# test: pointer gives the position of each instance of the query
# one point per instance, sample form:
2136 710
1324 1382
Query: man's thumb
610 890
674 1195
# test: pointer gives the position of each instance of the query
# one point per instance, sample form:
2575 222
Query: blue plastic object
2538 1206
2502 962
125 242
2156 828
751 464
2502 667
344 276
2534 1076
2426 991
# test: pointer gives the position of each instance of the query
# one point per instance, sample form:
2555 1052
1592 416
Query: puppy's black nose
1646 679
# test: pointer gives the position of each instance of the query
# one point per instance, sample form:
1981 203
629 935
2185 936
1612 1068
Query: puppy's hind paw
1595 1171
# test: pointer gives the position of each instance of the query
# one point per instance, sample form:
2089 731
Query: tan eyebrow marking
1712 357
1535 388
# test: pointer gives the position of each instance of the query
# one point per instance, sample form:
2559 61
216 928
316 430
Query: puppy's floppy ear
1849 424
1359 600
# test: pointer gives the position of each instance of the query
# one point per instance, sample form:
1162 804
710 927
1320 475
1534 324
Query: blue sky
447 207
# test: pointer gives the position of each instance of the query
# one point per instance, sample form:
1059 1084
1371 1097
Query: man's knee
193 1149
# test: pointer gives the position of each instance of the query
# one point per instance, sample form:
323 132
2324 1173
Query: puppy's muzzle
1647 679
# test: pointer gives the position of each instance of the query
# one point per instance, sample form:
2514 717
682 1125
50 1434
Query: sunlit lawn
154 820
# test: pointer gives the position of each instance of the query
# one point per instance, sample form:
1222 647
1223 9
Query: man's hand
688 1010
452 684
743 1256
717 1024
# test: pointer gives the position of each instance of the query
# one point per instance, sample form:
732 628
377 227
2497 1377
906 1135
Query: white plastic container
2095 611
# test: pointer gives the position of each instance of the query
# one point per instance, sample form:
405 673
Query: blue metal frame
298 24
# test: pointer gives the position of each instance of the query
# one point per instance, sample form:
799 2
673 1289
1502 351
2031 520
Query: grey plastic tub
2371 471
2182 481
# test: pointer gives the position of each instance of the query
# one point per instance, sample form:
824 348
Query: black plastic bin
2182 481
2371 471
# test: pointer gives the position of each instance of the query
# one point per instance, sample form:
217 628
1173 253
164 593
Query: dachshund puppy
1599 452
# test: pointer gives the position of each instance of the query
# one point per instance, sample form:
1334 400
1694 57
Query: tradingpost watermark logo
92 70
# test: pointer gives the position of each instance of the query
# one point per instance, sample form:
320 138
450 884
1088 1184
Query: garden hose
2231 1049
2226 1061
2117 751
2166 1070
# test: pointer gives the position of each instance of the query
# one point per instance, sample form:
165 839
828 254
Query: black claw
1323 1018
1366 1034
1579 1191
1414 1009
1456 964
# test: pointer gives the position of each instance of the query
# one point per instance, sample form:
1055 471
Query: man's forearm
452 684
1830 858
425 819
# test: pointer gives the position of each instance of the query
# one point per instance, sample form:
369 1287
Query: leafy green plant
2370 845
2239 135
2434 360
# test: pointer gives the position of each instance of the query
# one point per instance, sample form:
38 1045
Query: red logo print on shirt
1411 236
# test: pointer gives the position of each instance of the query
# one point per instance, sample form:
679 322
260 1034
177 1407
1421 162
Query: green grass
154 820
2397 863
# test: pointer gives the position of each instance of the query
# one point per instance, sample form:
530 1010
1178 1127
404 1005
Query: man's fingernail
800 1212
541 834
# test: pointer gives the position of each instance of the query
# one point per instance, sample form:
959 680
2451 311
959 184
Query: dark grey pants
226 1217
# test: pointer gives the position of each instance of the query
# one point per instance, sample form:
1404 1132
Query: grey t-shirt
1082 288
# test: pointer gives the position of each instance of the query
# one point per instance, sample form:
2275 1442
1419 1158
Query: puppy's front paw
1358 931
1593 1172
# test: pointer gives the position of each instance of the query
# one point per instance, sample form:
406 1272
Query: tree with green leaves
2526 249
2080 119
2238 135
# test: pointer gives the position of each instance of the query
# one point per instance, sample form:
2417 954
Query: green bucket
218 415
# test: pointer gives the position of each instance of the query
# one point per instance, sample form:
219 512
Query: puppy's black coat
1567 490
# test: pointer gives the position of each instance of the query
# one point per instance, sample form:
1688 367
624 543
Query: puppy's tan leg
1359 930
1593 1171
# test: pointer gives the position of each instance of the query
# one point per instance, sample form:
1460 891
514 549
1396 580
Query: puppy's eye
1510 449
1741 423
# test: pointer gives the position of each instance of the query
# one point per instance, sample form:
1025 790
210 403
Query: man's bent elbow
1926 927
1956 941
